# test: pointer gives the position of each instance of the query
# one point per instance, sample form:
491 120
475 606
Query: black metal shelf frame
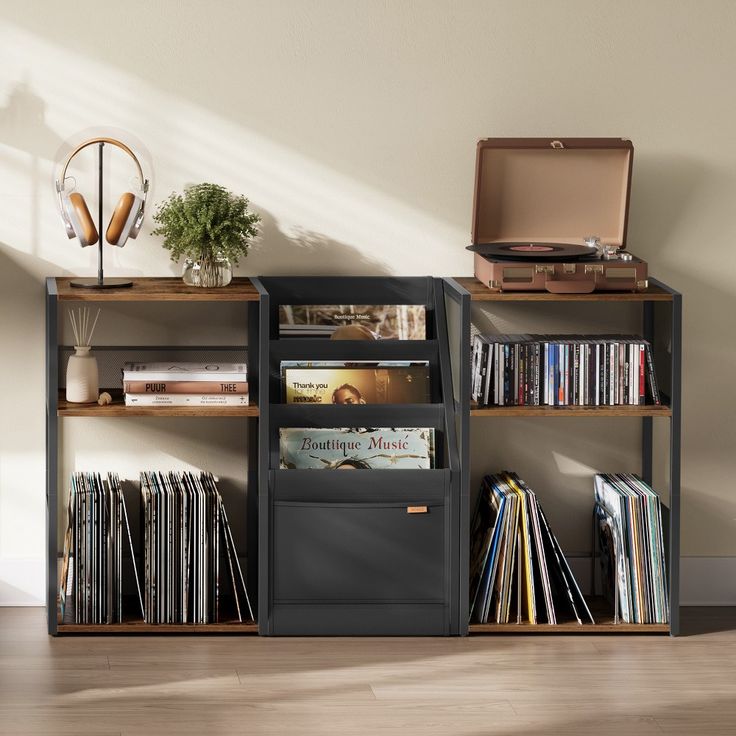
365 534
654 312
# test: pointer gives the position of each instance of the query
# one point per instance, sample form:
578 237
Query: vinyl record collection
563 370
631 543
518 572
185 530
190 572
92 563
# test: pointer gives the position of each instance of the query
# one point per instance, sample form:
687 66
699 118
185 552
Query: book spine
164 376
185 387
186 400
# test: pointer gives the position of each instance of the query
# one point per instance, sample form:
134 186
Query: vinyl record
524 251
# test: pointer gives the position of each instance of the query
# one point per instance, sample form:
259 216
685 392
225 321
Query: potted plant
211 227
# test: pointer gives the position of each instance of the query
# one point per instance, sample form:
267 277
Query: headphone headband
113 142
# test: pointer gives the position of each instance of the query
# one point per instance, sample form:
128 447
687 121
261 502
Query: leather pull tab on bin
416 509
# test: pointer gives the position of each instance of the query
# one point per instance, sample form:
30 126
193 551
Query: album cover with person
356 383
356 448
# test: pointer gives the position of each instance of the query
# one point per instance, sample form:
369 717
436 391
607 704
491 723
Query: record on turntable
522 251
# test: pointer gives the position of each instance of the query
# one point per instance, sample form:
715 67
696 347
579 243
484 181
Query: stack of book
185 384
632 548
518 572
563 370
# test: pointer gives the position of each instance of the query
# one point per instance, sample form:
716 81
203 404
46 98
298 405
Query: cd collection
92 564
562 370
518 571
631 545
185 529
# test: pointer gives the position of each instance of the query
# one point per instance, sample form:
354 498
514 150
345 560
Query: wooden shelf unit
144 290
448 351
460 293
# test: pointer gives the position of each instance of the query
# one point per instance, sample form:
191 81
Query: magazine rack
338 553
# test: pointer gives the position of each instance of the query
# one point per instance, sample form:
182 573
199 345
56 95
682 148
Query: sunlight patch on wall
51 93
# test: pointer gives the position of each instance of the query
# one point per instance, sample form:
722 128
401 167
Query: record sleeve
353 321
351 448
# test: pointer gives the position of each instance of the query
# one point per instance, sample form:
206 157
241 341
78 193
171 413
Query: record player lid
552 190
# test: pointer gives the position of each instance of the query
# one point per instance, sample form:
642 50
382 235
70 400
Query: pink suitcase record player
551 215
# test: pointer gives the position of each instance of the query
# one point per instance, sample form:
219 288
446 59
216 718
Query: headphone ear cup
81 220
120 223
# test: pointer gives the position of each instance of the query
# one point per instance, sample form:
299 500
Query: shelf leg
675 441
647 425
52 446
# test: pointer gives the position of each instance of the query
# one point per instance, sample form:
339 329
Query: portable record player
551 215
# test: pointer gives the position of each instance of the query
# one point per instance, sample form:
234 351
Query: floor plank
473 686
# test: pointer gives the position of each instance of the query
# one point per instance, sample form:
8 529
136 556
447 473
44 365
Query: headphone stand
100 282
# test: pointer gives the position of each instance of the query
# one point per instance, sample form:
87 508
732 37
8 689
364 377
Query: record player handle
570 287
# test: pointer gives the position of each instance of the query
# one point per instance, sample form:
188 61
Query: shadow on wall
663 190
23 127
306 253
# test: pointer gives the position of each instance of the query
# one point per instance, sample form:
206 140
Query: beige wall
352 127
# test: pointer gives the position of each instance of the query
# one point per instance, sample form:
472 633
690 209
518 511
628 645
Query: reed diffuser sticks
82 326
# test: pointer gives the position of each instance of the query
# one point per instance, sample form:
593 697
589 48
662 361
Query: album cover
356 383
356 448
353 321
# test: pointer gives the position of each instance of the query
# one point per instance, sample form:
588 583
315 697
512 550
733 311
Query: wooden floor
540 685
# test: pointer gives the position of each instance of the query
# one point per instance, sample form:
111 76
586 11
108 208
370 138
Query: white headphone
126 219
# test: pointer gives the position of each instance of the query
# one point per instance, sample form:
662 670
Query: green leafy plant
205 223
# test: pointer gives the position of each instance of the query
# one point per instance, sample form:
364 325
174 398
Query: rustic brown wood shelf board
118 409
140 627
602 614
481 293
160 289
571 411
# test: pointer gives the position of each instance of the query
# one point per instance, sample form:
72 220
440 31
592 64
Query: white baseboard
704 581
708 581
22 582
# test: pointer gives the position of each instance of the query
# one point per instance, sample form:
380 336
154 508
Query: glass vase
209 272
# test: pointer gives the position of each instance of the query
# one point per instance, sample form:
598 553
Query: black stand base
101 284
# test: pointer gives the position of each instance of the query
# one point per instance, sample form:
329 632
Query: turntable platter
535 251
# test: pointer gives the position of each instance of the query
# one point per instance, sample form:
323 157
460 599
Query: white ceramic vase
82 378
